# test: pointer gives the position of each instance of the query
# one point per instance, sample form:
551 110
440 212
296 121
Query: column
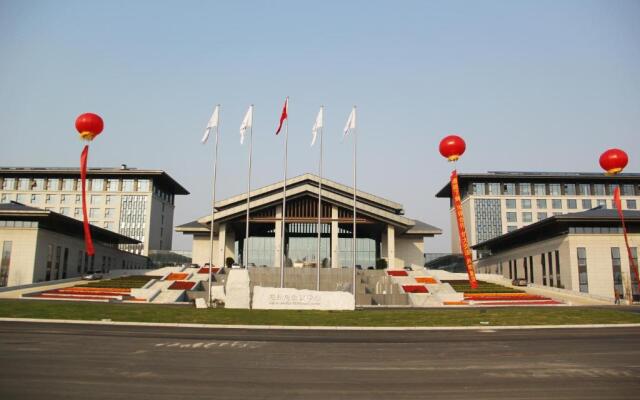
219 258
391 247
278 237
334 237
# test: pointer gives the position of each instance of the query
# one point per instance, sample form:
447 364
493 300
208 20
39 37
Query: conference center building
383 231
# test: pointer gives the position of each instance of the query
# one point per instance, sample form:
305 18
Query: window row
572 204
552 189
73 184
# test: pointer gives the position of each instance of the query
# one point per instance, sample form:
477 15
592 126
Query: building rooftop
160 177
60 223
558 225
541 177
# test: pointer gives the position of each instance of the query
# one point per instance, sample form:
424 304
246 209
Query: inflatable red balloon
89 125
452 147
613 161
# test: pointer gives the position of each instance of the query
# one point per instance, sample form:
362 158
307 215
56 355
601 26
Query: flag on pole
246 123
351 123
284 114
213 123
319 124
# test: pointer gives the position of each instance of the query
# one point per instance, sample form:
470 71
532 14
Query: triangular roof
335 193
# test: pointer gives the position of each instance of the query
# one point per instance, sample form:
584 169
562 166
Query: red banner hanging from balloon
464 243
88 243
632 262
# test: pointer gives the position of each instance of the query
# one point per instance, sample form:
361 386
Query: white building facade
133 202
496 203
38 246
584 252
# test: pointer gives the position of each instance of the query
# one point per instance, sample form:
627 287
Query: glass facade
5 262
488 219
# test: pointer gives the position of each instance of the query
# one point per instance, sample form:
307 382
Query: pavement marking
216 344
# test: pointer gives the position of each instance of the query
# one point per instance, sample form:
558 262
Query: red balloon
89 125
452 147
613 161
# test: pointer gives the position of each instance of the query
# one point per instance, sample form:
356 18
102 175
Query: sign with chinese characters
269 298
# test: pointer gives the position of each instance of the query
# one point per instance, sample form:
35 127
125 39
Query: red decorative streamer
632 262
88 243
464 242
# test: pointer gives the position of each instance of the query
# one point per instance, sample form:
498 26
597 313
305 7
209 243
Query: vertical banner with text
464 243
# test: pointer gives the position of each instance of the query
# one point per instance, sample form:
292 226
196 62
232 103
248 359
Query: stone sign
269 298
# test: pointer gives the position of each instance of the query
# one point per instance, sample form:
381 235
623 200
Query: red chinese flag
284 115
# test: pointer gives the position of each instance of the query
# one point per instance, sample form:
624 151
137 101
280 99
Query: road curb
318 328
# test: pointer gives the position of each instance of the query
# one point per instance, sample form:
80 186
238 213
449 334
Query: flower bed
414 289
205 270
426 279
397 273
182 285
176 276
503 296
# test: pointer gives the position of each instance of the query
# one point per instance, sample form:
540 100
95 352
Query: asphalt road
55 361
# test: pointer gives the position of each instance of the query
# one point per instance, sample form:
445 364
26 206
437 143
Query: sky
530 85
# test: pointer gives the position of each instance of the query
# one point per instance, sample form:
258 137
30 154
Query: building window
53 184
531 269
585 189
598 189
494 189
110 226
96 200
21 198
509 189
510 203
583 279
554 189
572 204
479 188
540 189
9 184
550 266
112 185
38 184
512 217
527 217
36 198
617 272
601 203
543 264
511 228
525 203
67 184
631 205
108 199
65 211
79 261
49 263
94 213
558 280
627 190
541 203
510 270
65 262
612 188
526 269
5 262
541 216
570 189
52 199
97 185
525 189
23 184
556 204
109 213
3 198
586 204
127 185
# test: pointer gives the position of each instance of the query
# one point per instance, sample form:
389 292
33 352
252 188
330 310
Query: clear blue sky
539 85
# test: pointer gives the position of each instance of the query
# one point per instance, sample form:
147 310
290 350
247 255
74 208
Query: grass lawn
422 317
483 287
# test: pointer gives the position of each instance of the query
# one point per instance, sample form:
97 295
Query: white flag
213 123
319 124
246 123
351 122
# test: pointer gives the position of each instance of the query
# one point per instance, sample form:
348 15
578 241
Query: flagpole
246 234
319 228
213 204
284 195
355 145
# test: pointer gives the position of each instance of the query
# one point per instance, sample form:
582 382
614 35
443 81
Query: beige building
582 252
383 231
496 203
39 245
133 202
